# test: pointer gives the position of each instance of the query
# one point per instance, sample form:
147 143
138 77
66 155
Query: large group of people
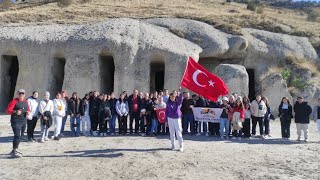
96 114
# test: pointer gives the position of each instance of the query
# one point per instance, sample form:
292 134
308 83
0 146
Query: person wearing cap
18 108
46 110
224 120
302 112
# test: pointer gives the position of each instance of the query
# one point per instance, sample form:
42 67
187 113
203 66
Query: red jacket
240 110
16 104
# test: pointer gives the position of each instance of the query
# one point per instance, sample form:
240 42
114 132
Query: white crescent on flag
195 76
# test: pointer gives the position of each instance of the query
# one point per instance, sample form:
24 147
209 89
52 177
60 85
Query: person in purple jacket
174 119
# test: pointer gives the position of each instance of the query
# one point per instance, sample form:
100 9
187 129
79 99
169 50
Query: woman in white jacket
46 110
58 113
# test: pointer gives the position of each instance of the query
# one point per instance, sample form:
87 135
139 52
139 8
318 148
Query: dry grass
272 70
302 63
229 17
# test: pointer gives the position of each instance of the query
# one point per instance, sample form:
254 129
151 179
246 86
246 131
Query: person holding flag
173 114
197 79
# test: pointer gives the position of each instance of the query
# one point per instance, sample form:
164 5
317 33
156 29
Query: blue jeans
154 126
75 123
188 118
112 124
205 127
224 124
64 120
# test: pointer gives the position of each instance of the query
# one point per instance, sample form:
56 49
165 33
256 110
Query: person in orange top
18 108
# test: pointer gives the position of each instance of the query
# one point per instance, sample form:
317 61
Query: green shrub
286 73
312 15
260 10
252 6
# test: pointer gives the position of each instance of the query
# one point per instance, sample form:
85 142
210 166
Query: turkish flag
197 79
161 114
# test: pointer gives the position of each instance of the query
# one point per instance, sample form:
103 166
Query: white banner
207 114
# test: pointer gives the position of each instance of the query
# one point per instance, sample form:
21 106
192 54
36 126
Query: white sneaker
181 149
41 141
306 140
46 139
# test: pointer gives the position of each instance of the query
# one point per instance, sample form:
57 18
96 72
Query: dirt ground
135 157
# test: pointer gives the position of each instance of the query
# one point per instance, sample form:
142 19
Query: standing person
316 115
112 121
58 113
153 116
74 112
232 104
65 100
224 120
122 108
201 102
266 118
214 128
18 108
187 113
33 102
258 110
285 114
85 118
165 96
302 112
238 118
46 111
161 126
94 112
104 115
247 121
134 111
145 117
174 119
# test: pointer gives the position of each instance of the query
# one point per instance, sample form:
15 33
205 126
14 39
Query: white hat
21 91
225 99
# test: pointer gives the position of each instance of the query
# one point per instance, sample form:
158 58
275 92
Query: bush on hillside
64 3
313 15
252 6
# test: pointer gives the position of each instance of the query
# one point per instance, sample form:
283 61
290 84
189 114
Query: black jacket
73 106
113 106
94 106
186 103
130 103
82 107
302 112
285 114
105 110
201 103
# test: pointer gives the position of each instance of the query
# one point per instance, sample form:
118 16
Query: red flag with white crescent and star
161 114
197 79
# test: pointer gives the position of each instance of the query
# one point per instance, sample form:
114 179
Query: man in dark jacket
18 108
145 114
134 111
302 112
187 114
94 111
202 102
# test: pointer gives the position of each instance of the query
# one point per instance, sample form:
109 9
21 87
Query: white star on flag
211 83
